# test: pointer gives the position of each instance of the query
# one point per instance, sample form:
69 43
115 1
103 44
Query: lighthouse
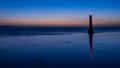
90 32
90 25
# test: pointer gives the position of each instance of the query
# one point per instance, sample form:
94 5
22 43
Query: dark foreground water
60 49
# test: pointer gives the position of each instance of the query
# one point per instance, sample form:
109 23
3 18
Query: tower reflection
90 32
91 45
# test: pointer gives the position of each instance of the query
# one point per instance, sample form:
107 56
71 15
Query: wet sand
72 50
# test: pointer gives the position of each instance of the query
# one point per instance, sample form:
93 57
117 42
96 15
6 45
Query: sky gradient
59 12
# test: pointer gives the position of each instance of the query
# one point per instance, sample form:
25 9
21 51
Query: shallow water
72 50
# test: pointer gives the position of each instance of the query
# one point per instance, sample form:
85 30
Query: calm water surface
72 50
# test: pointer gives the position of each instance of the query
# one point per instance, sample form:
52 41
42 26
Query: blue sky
50 10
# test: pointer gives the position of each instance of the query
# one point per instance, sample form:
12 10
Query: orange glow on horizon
61 23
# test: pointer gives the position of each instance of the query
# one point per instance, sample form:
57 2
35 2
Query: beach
61 50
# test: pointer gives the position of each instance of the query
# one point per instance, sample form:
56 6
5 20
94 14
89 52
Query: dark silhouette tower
90 25
90 31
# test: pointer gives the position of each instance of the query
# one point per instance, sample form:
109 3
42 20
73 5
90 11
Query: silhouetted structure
90 25
90 32
91 45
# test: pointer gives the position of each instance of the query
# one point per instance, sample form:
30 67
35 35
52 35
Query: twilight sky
59 12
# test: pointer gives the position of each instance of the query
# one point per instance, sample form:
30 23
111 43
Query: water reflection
91 45
8 33
51 51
